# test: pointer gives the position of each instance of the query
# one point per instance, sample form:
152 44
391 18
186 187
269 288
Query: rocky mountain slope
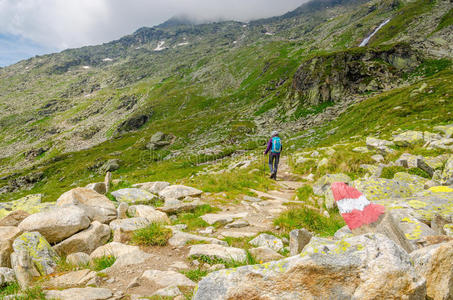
134 169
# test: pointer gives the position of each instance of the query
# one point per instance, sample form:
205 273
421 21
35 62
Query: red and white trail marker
354 207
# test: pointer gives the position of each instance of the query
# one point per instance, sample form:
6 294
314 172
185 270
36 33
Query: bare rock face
167 278
14 218
153 187
264 254
98 207
7 236
57 224
435 263
85 241
179 192
369 266
298 239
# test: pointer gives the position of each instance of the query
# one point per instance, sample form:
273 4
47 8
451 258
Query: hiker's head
274 133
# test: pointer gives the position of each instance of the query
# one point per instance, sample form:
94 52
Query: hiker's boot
274 176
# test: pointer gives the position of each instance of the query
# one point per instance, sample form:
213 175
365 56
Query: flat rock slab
179 207
133 196
238 224
14 218
222 218
30 204
264 254
114 249
129 225
148 212
167 278
179 192
180 239
238 234
153 187
228 254
88 293
69 280
380 188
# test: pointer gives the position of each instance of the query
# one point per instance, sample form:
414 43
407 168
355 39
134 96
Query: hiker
275 147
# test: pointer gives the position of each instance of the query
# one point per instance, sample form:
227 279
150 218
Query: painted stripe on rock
368 215
347 205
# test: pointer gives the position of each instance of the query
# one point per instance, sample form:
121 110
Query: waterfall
365 41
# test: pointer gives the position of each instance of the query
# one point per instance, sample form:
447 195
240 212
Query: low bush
154 234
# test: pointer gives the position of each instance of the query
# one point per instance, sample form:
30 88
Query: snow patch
269 33
183 44
107 59
160 46
86 67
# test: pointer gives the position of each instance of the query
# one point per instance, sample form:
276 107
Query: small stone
298 239
264 254
122 210
237 224
207 230
134 283
267 240
78 259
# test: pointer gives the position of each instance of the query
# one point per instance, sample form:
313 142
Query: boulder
98 207
448 229
430 137
167 278
222 218
24 268
343 233
431 164
149 213
98 187
78 259
361 150
110 166
136 257
435 264
377 158
14 218
6 276
322 185
267 240
408 138
380 188
170 291
88 293
30 204
298 239
410 178
129 225
444 143
152 187
85 241
407 160
213 251
42 255
114 249
447 174
107 181
179 192
70 279
7 236
57 224
134 196
374 143
362 267
238 224
264 254
180 239
122 210
446 129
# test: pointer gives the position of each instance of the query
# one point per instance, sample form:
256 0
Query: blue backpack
276 145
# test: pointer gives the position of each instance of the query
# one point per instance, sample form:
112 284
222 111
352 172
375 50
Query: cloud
61 24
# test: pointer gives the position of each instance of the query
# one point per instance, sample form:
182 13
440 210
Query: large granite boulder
149 213
7 236
214 251
322 185
435 264
267 240
88 293
153 187
85 241
14 218
408 138
97 207
447 174
57 224
167 278
35 245
362 267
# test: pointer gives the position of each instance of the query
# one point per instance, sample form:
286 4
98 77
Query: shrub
297 217
155 234
103 262
419 172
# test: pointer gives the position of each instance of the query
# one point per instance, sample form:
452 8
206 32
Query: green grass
154 234
103 262
64 266
304 193
296 218
33 293
193 220
429 67
195 275
389 172
419 172
447 20
303 111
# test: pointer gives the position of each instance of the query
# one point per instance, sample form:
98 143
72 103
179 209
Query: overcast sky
30 27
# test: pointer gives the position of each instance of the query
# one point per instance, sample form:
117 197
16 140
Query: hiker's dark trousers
274 158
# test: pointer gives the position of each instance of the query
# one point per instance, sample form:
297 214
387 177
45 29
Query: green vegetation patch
447 20
155 234
103 262
296 218
195 275
304 193
193 220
